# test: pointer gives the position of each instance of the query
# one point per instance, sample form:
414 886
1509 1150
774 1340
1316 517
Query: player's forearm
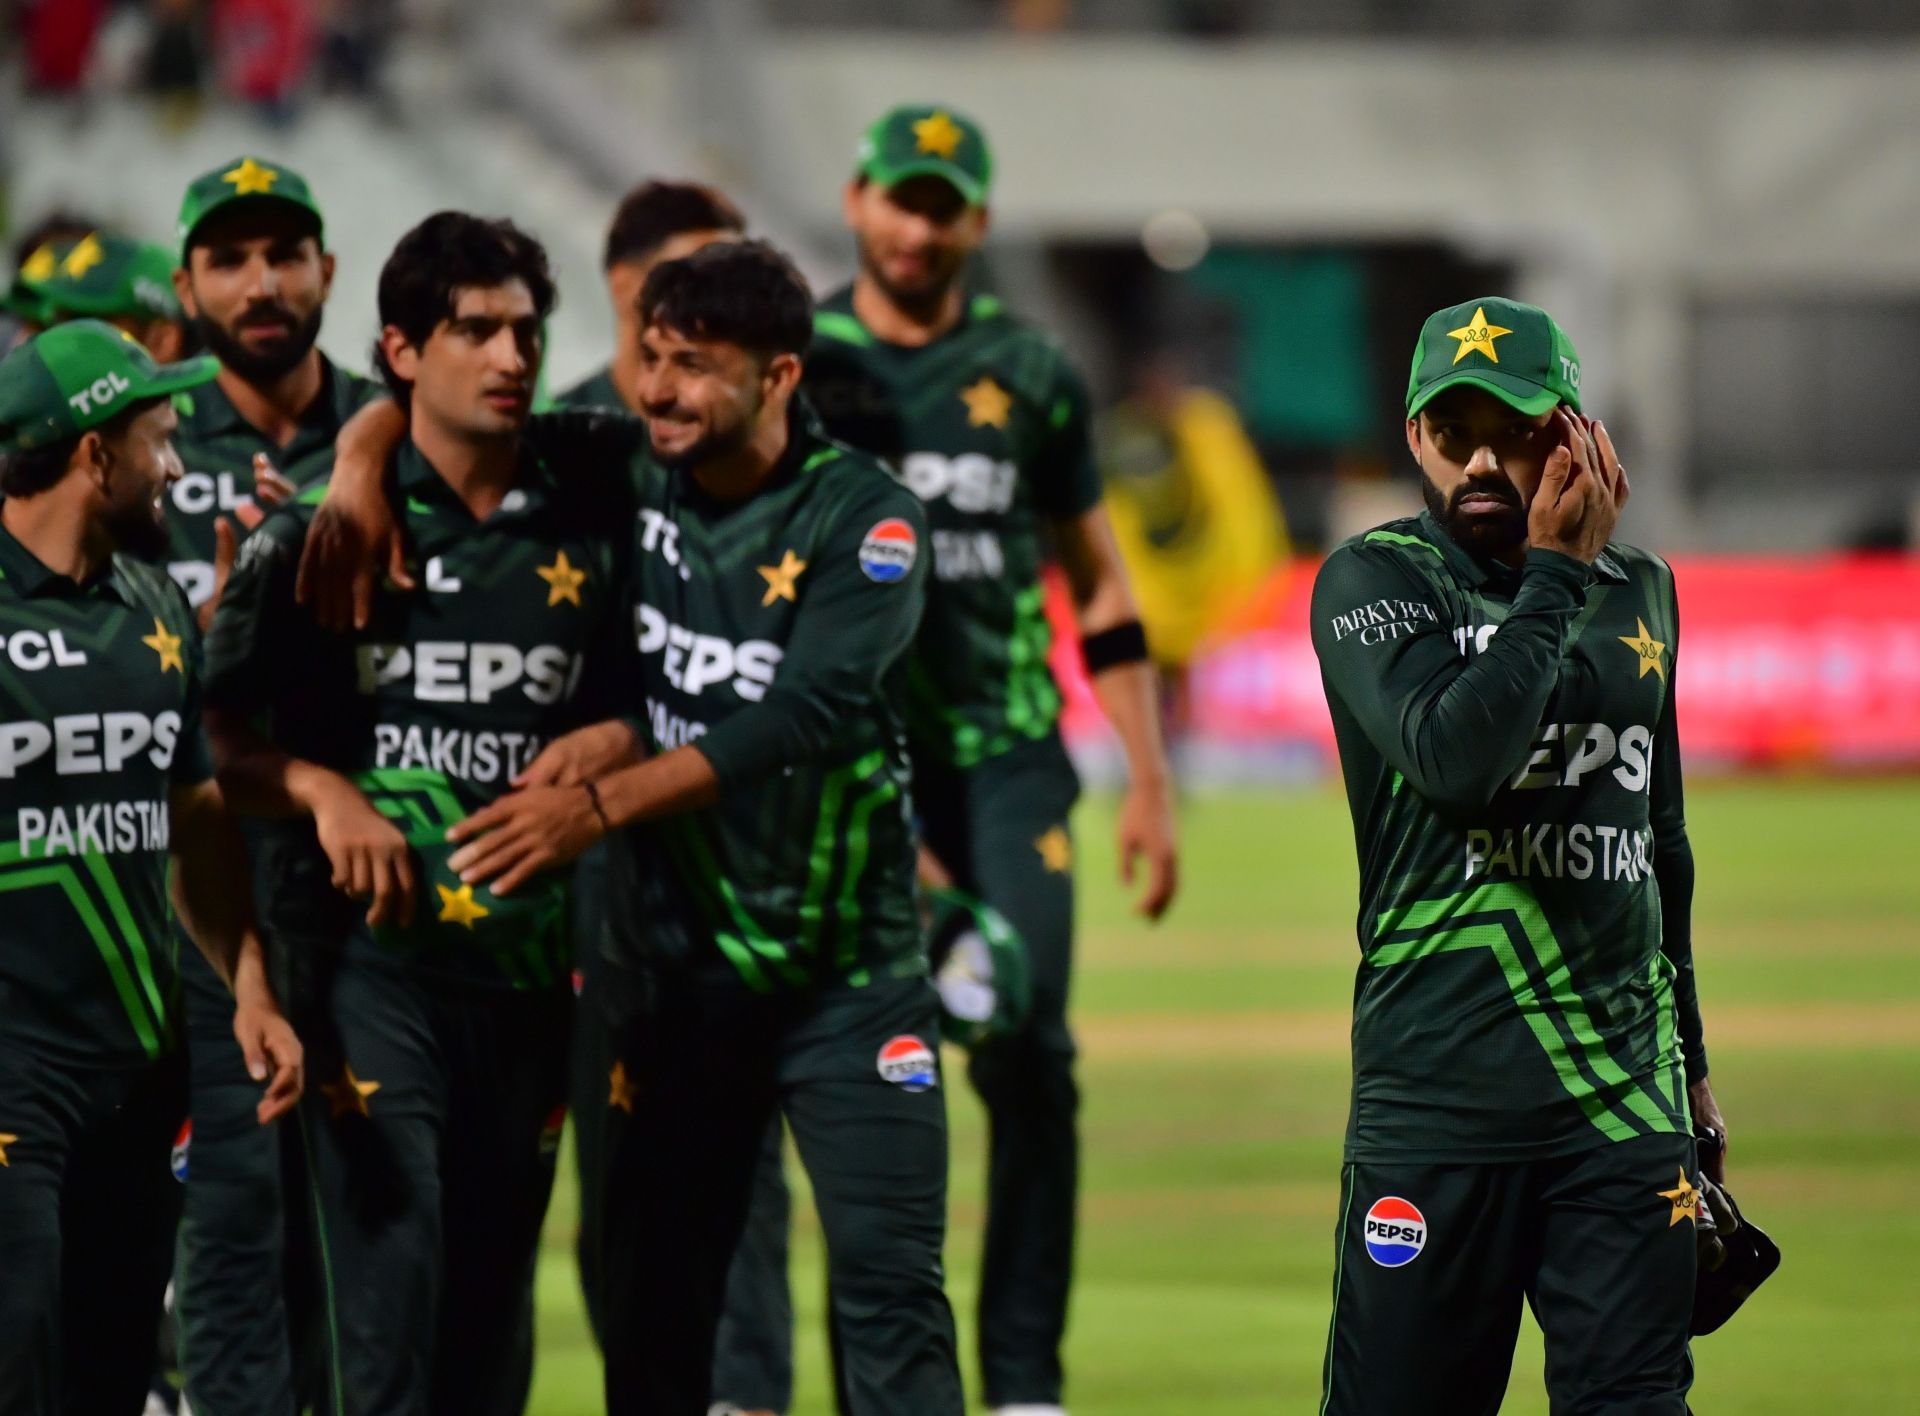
258 778
1128 695
364 445
1673 872
678 781
212 888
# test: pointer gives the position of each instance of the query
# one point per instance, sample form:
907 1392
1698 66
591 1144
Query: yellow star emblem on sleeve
1477 336
988 404
563 578
250 178
938 135
1648 648
347 1095
7 1138
1684 1199
780 578
620 1088
167 646
459 907
40 265
85 255
1056 850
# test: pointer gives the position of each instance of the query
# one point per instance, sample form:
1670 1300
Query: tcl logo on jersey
693 663
1564 754
448 671
659 536
970 481
31 650
84 744
197 493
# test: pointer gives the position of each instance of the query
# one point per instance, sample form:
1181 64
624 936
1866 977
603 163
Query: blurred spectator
263 49
58 38
1193 511
175 70
354 38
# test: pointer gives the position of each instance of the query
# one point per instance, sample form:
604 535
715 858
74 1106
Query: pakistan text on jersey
100 828
451 671
695 662
1382 621
481 757
968 555
669 729
1555 850
86 744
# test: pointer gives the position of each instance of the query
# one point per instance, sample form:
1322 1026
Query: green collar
1478 573
214 415
29 577
427 492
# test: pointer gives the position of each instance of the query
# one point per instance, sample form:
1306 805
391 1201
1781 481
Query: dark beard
1485 536
137 532
255 367
718 444
922 302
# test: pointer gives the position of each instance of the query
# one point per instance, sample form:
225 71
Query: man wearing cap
253 278
1527 1046
123 282
985 420
105 787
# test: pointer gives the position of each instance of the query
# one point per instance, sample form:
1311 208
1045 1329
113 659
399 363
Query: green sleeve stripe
1494 917
825 454
61 873
832 324
985 307
136 947
1395 538
313 494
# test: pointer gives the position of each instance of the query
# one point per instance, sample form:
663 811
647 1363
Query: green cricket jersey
518 633
989 427
771 635
216 447
596 390
1526 980
100 686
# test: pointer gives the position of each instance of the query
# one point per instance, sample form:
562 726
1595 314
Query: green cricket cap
105 275
23 299
78 375
921 141
1515 352
245 179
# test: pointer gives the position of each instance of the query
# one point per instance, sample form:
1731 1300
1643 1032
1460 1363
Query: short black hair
449 252
35 470
741 292
653 213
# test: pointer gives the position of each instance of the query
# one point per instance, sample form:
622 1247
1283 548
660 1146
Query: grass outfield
1215 1079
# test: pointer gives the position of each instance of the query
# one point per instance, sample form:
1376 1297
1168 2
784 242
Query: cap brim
254 201
963 182
1521 395
176 378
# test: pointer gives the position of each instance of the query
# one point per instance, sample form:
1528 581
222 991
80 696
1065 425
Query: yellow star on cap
1649 649
459 907
40 265
1684 1199
85 255
563 579
780 578
250 178
167 646
988 404
620 1088
1477 336
939 135
1056 850
348 1095
7 1138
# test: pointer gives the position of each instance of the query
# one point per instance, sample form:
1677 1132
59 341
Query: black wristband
593 796
1112 648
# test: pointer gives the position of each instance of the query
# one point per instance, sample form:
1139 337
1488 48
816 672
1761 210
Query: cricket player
253 277
106 787
987 423
763 949
1527 1044
122 282
440 1015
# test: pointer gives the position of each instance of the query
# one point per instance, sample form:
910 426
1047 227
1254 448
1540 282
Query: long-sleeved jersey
1512 764
771 637
516 634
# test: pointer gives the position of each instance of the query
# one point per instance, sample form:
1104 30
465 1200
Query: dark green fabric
100 690
595 391
704 1070
87 1212
988 426
429 1202
446 694
1523 990
1589 1241
217 448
